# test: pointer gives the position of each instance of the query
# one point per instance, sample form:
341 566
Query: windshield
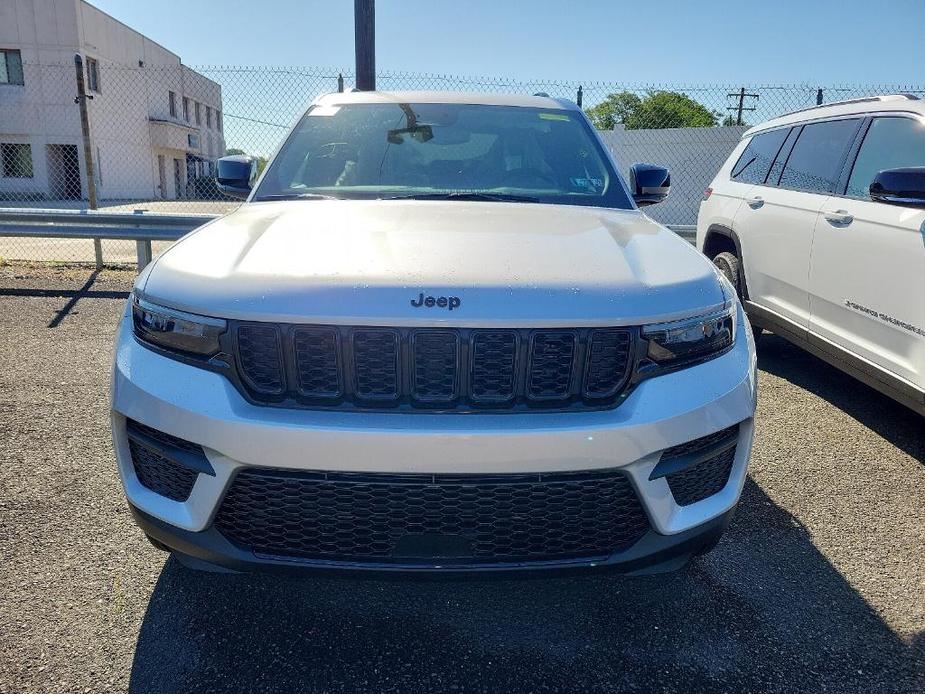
464 151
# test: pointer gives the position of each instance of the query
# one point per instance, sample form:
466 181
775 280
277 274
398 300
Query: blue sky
670 41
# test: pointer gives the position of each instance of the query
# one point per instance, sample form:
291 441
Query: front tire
728 263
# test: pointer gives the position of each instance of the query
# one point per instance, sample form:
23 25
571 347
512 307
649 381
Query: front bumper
203 407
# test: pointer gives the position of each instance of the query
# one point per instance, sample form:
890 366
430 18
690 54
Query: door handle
838 218
756 202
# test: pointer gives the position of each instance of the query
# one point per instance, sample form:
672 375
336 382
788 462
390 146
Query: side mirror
900 186
649 183
236 174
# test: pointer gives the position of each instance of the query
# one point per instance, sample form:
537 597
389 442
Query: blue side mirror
649 183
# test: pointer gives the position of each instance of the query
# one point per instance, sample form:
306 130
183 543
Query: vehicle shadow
764 611
897 424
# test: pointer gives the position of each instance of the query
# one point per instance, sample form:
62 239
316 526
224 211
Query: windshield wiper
494 197
296 196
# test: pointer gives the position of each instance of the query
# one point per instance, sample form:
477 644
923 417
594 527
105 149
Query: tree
616 108
731 120
658 109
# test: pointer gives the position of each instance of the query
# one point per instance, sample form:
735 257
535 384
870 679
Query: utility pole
364 20
741 107
81 101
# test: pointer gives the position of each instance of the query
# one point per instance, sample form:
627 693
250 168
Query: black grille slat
700 444
494 361
260 358
375 359
163 438
435 366
703 480
608 359
552 356
422 519
441 369
317 360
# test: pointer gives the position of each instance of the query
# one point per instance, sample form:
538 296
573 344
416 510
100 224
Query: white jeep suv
818 219
438 336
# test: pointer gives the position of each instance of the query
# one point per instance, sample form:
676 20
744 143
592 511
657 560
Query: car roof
437 97
888 102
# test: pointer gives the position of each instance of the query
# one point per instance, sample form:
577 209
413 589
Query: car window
816 159
778 167
379 150
756 159
890 143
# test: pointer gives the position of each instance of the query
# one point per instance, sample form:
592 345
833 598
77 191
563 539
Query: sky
752 42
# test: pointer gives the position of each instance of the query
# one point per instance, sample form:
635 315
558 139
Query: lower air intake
427 520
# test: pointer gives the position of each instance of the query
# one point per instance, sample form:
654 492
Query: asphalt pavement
819 584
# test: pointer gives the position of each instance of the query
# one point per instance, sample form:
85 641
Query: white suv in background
818 219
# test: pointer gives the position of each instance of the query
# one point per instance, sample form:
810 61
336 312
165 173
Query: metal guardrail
140 226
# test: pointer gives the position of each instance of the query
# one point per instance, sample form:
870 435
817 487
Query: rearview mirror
236 174
649 183
900 186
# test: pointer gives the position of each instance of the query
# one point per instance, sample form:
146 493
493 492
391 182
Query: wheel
728 264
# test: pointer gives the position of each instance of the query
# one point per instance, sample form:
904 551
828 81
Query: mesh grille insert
259 353
375 354
161 475
608 359
317 362
494 357
702 480
418 519
551 357
436 366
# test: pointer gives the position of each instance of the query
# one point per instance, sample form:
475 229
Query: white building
156 125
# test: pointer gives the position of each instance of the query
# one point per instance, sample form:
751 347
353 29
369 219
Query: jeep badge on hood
447 302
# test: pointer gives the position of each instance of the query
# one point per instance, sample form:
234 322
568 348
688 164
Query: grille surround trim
471 395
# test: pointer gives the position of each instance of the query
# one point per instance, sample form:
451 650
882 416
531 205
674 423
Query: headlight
174 330
691 339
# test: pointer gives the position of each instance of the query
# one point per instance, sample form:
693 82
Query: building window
172 98
16 160
10 67
93 75
186 108
208 116
198 113
218 120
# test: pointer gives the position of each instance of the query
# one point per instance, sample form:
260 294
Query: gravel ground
817 586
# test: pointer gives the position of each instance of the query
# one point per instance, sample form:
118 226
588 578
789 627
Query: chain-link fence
154 133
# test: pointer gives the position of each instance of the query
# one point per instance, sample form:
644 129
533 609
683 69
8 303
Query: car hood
368 262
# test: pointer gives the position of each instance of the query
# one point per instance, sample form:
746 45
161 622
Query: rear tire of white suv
728 264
